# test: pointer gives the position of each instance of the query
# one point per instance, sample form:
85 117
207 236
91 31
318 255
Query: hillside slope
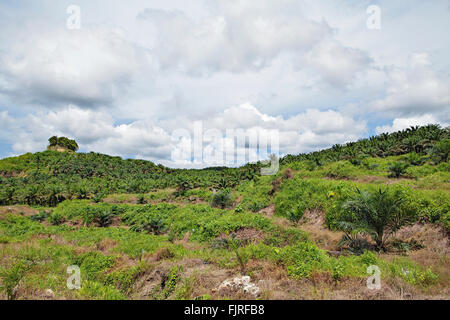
143 231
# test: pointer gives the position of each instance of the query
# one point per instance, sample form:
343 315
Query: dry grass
436 251
268 211
313 222
21 210
106 245
245 236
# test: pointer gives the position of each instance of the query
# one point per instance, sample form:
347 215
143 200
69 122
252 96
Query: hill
138 230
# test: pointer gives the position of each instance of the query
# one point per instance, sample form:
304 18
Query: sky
125 77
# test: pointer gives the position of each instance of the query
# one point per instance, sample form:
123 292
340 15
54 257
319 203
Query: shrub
297 196
440 151
98 197
141 199
93 264
223 199
169 282
240 253
415 159
99 215
10 278
186 290
124 279
256 206
355 243
56 218
98 291
183 186
239 209
295 213
377 213
397 169
412 273
302 259
337 271
41 216
164 253
340 170
152 219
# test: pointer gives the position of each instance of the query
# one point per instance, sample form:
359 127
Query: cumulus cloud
96 130
234 40
404 123
134 74
415 90
337 65
89 67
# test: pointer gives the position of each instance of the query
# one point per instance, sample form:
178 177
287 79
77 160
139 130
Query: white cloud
88 67
404 123
337 65
95 130
240 36
312 68
415 90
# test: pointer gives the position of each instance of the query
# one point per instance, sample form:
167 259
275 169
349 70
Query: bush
241 254
93 264
397 169
98 291
340 170
168 283
377 213
415 159
56 218
223 199
41 216
124 279
440 151
141 199
302 259
151 219
10 278
297 196
98 215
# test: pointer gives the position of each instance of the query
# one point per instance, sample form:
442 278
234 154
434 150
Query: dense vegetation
63 142
128 223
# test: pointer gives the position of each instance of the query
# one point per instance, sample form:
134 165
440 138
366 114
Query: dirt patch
106 245
206 277
288 173
11 174
436 251
128 199
245 236
432 236
268 211
313 222
22 210
371 179
238 200
313 218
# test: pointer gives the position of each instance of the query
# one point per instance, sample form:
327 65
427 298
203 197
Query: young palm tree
440 151
397 169
377 213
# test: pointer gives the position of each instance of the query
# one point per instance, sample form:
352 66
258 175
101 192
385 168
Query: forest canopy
63 142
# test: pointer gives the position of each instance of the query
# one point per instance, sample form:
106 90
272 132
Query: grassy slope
168 245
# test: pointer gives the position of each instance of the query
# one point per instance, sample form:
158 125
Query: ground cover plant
143 231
